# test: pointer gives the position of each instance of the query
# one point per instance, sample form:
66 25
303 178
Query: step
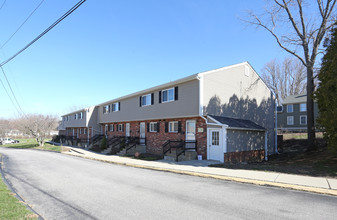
189 155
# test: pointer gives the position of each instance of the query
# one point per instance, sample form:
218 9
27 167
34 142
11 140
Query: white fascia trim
222 68
246 129
217 123
201 95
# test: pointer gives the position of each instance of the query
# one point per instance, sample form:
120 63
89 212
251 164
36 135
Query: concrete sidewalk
200 168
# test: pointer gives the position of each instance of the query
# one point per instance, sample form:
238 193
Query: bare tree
286 78
39 126
5 127
297 24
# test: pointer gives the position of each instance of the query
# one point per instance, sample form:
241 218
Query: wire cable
10 87
10 97
3 4
22 24
45 31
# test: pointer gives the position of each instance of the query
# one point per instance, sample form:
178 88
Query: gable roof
238 123
302 98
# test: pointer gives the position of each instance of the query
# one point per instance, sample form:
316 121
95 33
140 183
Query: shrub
103 144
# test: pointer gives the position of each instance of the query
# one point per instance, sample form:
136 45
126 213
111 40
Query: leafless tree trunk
287 22
39 126
286 78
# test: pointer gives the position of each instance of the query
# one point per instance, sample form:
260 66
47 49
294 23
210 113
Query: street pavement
59 186
200 168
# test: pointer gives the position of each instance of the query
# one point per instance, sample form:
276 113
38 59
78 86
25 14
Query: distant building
292 114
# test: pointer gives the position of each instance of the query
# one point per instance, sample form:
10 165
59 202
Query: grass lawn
294 159
32 144
10 206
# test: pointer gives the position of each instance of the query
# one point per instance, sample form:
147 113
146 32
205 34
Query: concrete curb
10 187
330 192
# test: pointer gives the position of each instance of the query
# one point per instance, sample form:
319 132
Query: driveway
59 186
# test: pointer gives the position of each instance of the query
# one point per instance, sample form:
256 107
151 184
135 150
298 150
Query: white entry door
214 144
190 133
127 129
142 132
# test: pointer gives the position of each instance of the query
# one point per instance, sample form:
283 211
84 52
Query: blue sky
107 49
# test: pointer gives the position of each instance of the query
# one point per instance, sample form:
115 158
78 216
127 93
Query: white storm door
214 144
190 133
127 129
142 132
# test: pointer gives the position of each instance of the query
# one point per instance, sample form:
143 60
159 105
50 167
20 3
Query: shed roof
238 123
292 99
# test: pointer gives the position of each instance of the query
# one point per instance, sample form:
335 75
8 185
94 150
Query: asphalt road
59 186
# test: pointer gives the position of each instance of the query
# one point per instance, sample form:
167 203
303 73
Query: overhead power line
45 31
10 98
10 87
3 4
22 24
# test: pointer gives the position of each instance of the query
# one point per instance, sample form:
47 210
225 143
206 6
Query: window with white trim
146 100
111 127
120 127
303 119
115 107
173 126
290 120
303 107
153 126
80 130
85 131
75 116
80 115
106 109
168 95
290 108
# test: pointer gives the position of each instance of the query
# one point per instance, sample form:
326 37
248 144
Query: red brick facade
155 140
243 156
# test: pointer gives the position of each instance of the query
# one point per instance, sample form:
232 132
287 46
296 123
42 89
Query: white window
290 120
106 109
168 95
75 116
120 127
303 119
303 107
153 126
173 126
85 131
81 115
290 108
111 127
115 107
80 130
215 138
146 100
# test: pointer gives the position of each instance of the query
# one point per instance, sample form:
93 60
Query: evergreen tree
326 93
